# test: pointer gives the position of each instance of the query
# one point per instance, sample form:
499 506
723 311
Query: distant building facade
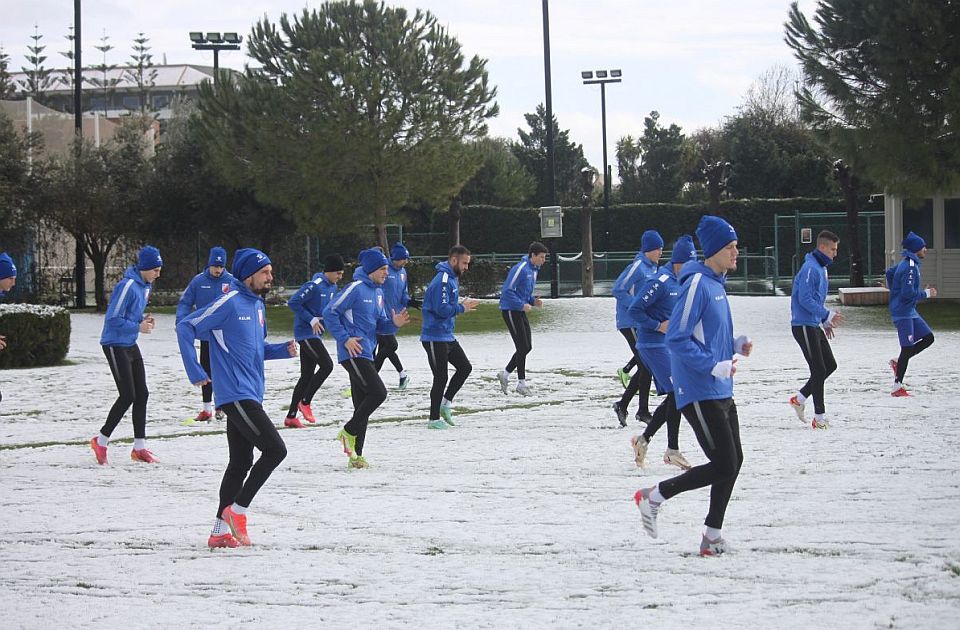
937 220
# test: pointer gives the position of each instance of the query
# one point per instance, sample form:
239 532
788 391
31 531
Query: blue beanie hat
372 259
218 257
248 261
650 241
714 233
913 242
683 250
7 268
399 252
149 258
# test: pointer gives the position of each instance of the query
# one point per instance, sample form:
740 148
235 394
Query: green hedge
36 335
483 279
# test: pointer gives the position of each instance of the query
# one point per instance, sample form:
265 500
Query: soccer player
903 280
624 289
702 362
352 319
516 298
813 324
123 323
396 296
236 325
213 282
441 306
316 365
8 279
651 309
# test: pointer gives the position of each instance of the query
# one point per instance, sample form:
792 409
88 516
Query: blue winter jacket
906 290
653 305
625 287
201 291
354 312
236 325
308 302
700 335
396 297
121 325
810 292
441 305
519 286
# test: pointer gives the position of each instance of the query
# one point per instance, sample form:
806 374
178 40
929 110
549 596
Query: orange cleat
900 392
306 411
99 451
143 455
223 540
292 422
237 524
203 416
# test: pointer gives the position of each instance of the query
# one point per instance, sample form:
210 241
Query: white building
937 220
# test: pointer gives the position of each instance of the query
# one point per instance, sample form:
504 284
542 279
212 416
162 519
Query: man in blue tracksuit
906 290
702 348
516 298
307 305
213 282
813 324
8 280
123 322
236 325
352 319
651 309
624 289
396 297
441 306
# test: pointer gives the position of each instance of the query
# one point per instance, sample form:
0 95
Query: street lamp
603 77
588 178
216 42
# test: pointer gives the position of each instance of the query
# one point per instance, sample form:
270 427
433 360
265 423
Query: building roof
171 77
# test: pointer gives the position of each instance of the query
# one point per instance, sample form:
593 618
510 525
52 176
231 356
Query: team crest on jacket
225 287
260 315
379 300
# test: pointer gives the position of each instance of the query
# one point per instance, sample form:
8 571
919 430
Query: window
918 218
97 103
951 223
131 102
160 101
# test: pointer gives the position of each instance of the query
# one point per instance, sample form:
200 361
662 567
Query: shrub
483 279
37 335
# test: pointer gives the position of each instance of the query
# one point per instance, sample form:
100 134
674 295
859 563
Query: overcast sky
691 60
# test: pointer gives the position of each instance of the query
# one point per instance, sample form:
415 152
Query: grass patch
941 314
953 568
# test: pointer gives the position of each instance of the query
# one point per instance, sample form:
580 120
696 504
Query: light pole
603 77
588 177
551 158
215 42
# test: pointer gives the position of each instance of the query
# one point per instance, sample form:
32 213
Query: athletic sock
818 416
103 440
712 533
801 398
208 407
220 527
139 444
655 496
239 509
522 381
446 403
403 374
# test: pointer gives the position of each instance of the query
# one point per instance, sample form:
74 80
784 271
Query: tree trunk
586 247
99 281
381 227
454 215
853 220
713 187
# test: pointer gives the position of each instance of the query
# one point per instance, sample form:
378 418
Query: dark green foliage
483 279
568 160
34 340
651 166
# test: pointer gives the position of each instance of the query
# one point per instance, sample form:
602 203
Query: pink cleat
99 451
223 540
143 455
293 422
237 524
306 411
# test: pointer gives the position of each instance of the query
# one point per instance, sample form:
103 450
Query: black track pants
818 355
126 365
247 427
315 366
387 349
519 327
439 354
668 414
908 352
206 390
639 384
368 393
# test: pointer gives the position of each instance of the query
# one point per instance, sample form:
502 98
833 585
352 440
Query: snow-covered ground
522 516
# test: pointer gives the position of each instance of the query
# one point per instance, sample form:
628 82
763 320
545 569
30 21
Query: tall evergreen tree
39 78
531 150
66 76
652 165
142 73
8 88
105 83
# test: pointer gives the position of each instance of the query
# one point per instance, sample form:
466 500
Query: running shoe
893 366
643 417
223 540
99 451
798 408
438 424
624 377
358 462
648 510
899 391
639 444
237 524
203 416
504 377
404 383
820 424
524 390
143 455
712 547
292 422
348 441
446 412
674 457
218 414
306 411
621 413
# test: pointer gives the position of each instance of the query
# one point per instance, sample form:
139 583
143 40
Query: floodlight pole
551 163
80 260
204 44
602 80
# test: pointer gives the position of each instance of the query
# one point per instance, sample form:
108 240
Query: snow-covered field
522 516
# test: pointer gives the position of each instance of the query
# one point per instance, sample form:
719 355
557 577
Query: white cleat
674 457
639 444
648 510
798 408
504 377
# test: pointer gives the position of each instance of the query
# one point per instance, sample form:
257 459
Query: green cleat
624 377
348 441
347 392
358 461
437 424
404 383
446 412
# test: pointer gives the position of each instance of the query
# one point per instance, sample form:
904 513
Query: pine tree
8 89
568 159
105 83
66 75
142 73
38 79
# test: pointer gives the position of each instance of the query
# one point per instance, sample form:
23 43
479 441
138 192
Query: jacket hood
360 274
445 266
912 256
134 274
317 276
694 267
